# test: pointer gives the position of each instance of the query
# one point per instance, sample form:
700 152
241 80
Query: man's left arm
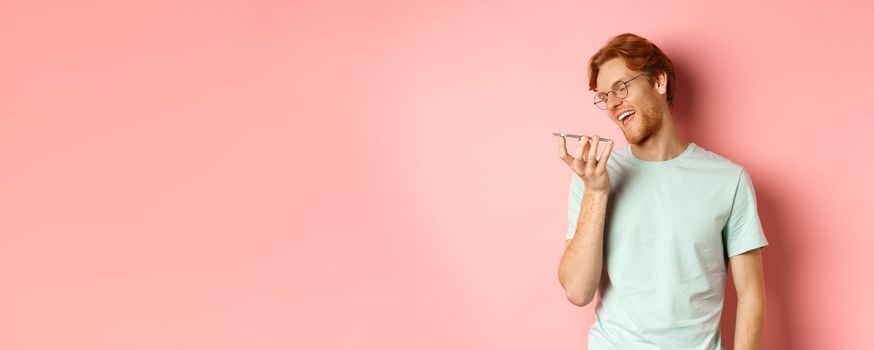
749 281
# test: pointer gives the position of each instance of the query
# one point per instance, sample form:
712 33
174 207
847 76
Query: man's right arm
580 268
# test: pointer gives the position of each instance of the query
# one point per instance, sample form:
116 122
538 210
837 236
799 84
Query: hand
592 171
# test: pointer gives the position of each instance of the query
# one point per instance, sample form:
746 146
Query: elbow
581 296
579 299
577 292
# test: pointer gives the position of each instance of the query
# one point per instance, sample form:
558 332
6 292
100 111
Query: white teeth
625 114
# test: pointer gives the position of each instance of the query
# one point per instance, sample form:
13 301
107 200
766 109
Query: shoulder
715 161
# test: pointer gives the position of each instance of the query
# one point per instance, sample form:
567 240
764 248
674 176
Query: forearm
749 323
580 268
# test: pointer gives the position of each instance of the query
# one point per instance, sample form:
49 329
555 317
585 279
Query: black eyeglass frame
606 94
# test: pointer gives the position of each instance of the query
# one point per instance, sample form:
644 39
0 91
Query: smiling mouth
627 121
626 117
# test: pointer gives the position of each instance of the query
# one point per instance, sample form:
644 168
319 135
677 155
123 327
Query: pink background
380 175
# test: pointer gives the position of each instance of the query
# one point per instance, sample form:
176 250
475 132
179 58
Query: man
652 227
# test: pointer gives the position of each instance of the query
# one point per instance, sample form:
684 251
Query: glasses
620 90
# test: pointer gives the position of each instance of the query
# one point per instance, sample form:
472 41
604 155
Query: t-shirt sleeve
743 230
574 199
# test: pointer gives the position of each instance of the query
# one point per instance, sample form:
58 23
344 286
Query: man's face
642 98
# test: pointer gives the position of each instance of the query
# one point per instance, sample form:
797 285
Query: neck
664 144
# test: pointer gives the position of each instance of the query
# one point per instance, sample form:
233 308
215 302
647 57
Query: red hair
639 54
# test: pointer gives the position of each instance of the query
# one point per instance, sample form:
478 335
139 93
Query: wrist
596 193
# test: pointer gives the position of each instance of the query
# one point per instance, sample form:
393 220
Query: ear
662 83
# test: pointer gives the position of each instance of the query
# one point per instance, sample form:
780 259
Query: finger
562 151
583 150
602 164
593 152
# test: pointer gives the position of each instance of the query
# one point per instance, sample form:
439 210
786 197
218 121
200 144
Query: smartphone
577 136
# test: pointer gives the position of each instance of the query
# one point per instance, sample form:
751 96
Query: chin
641 132
632 139
637 138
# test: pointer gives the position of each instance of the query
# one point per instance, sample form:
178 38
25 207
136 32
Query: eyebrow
614 82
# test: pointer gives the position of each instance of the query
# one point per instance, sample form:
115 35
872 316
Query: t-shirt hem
747 246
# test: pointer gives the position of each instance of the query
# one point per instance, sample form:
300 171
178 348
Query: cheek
638 102
642 105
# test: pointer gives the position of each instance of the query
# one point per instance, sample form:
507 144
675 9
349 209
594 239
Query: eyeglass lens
620 90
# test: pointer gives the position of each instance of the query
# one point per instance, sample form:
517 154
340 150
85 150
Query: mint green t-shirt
669 230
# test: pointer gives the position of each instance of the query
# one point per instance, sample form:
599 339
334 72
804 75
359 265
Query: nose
613 101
